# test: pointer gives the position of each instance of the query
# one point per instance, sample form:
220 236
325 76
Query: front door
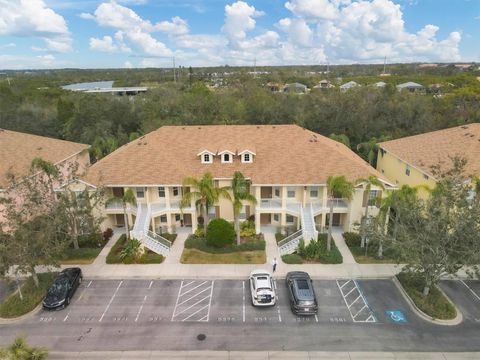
265 219
266 192
119 219
187 220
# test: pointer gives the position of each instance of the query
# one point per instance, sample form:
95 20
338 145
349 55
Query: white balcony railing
338 203
270 203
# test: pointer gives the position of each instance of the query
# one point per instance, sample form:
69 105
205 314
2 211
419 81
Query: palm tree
337 186
240 192
369 182
20 350
205 194
128 198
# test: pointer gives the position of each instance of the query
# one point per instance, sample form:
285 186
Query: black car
301 294
61 292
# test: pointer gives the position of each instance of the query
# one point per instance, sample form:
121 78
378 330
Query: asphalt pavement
212 314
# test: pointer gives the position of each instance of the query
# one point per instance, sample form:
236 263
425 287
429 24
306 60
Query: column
167 196
194 221
257 222
169 222
284 197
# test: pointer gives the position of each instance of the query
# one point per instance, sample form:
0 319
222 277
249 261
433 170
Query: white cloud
127 65
9 45
318 9
29 62
107 44
298 31
239 18
177 26
87 16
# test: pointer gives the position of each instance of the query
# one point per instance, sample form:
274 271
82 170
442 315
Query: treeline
36 104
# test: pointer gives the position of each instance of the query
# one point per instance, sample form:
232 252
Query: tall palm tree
369 182
240 192
337 186
128 198
205 194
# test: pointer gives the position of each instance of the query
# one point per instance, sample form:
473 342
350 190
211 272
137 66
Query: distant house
324 84
380 84
295 88
349 85
273 87
410 86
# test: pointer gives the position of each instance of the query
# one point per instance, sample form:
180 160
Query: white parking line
188 308
316 317
243 290
111 300
471 290
186 292
191 297
370 317
150 286
210 302
141 307
277 301
85 289
196 312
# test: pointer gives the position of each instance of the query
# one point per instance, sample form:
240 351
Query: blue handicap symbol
396 316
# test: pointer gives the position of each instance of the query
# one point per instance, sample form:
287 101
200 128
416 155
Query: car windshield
305 302
59 286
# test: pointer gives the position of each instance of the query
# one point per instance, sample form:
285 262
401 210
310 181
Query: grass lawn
435 304
13 306
80 256
195 256
353 241
148 257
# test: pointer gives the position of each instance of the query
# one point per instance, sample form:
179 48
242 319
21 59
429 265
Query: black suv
301 294
61 291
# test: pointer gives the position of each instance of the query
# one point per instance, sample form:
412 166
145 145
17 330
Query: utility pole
174 76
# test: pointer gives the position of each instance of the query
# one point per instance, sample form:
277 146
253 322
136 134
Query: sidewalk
171 268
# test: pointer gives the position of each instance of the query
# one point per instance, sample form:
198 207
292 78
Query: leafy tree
368 183
220 233
240 192
338 186
19 349
204 192
341 138
127 199
440 235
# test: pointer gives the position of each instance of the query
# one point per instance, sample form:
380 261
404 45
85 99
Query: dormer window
226 156
206 157
246 156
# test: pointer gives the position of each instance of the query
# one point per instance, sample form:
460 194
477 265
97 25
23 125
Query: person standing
274 264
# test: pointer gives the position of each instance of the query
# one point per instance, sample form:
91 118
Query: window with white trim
227 158
207 159
247 157
163 218
161 191
290 219
276 217
314 193
175 191
140 192
372 198
290 193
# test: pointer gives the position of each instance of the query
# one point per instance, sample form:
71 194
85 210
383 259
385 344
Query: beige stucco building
288 168
410 160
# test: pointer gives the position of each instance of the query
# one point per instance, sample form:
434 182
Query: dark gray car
301 294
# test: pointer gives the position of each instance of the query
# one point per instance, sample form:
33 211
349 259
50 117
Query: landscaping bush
220 233
148 257
247 229
435 304
279 237
32 296
107 234
316 251
91 240
352 239
292 259
200 232
170 237
112 257
131 249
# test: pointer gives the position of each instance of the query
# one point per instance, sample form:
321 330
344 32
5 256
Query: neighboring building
349 85
410 86
295 88
287 165
409 160
105 87
17 150
380 84
324 84
273 87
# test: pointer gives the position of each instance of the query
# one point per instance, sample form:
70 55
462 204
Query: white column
284 197
167 196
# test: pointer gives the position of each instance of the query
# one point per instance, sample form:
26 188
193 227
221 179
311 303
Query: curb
456 321
22 317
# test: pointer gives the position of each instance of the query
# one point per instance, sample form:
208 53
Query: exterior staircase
290 243
149 239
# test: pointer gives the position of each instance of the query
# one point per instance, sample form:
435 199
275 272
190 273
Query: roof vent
258 127
472 135
199 128
183 128
39 148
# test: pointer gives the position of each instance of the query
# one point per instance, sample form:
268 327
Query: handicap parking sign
396 316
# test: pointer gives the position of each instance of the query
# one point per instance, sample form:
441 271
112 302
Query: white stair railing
290 243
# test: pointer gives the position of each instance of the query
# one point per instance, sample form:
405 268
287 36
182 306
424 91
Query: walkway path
337 235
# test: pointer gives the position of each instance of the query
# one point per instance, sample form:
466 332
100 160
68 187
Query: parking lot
353 315
222 301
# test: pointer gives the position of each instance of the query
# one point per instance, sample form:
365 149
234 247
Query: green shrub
107 234
200 232
247 229
352 239
435 304
316 251
113 255
220 233
279 236
149 257
292 259
91 240
131 249
170 237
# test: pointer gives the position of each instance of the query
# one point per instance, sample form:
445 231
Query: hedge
220 233
199 243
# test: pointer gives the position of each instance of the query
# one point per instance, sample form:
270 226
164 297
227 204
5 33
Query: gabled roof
426 150
410 85
349 85
285 154
17 150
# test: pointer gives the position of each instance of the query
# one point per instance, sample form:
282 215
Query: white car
262 288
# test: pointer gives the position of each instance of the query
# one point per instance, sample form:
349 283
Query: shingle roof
285 154
17 150
410 84
429 149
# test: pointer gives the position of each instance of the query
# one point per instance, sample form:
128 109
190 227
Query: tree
368 182
128 198
240 192
440 235
204 192
338 186
21 350
341 138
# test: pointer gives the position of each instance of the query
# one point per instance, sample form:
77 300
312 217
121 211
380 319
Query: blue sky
141 33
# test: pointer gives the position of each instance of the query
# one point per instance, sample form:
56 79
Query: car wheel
80 280
67 301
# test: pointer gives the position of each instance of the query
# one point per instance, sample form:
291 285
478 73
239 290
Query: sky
38 34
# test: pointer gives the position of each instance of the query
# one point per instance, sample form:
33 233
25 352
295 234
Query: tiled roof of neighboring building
17 150
429 149
285 154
